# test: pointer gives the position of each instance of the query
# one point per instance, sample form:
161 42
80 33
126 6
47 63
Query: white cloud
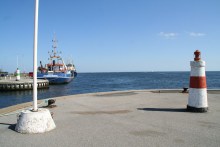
169 35
194 34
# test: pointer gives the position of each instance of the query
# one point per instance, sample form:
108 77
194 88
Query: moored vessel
56 71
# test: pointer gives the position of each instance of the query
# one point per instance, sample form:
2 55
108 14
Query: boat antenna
54 45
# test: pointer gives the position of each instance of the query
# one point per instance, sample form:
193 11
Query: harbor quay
121 119
11 84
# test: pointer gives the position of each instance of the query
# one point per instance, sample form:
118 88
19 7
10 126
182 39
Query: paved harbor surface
122 119
22 80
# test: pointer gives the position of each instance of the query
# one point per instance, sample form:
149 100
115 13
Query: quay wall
23 84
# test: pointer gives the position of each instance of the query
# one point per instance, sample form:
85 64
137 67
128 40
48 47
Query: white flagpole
35 56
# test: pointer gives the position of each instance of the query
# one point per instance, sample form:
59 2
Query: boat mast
54 46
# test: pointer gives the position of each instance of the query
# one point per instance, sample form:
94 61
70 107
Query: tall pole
35 56
17 61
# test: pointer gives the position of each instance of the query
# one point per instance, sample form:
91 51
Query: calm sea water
102 82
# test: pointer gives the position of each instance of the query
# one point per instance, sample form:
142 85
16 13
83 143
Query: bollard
18 77
197 101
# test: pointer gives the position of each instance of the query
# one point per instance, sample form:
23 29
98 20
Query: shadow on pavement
10 126
164 109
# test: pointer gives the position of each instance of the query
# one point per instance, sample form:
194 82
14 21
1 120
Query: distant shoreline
11 73
139 72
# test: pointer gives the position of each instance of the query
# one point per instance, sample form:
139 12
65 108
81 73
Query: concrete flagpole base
194 109
35 122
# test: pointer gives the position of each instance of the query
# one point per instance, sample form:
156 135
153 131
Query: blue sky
112 35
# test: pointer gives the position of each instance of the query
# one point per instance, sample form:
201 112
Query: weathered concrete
35 122
128 118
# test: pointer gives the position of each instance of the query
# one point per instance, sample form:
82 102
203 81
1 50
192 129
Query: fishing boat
56 71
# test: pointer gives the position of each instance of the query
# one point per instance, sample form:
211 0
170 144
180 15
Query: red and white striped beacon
197 101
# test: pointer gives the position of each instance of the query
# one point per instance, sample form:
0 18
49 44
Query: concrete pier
22 84
137 118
